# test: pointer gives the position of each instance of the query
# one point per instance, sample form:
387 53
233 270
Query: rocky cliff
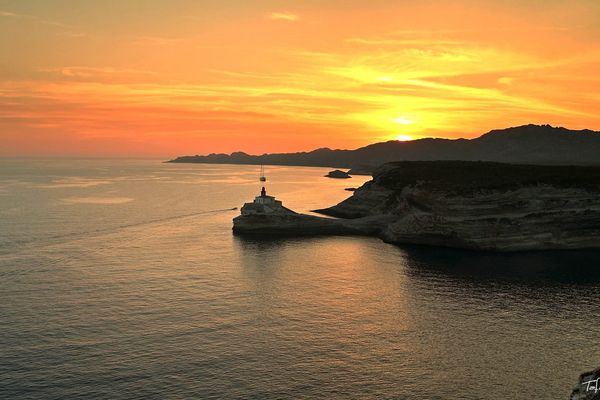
481 205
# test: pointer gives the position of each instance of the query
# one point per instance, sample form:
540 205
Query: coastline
467 205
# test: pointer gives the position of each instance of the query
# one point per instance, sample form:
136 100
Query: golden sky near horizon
167 78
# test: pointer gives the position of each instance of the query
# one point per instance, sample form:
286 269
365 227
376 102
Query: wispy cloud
155 41
94 72
403 42
73 34
283 16
350 78
505 80
34 18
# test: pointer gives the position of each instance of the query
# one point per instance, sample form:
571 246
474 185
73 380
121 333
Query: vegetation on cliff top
472 176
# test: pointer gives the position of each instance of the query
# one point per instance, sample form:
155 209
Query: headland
469 205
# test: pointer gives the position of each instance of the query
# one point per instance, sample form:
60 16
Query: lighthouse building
265 205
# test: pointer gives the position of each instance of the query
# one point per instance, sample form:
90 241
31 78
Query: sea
121 279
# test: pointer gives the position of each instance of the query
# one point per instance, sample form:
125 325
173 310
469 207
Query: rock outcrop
588 387
267 216
481 205
362 170
338 174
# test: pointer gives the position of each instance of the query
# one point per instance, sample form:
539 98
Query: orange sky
166 78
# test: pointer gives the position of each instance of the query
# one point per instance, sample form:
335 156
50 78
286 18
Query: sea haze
122 280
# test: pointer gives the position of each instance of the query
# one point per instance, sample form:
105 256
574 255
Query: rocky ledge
470 205
338 174
307 225
481 205
267 216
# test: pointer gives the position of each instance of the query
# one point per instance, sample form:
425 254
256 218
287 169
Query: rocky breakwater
306 225
480 205
267 216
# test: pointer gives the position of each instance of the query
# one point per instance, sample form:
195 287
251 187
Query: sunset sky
167 78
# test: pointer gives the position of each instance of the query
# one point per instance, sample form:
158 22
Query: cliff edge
481 205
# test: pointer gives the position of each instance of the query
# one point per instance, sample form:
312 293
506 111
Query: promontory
463 204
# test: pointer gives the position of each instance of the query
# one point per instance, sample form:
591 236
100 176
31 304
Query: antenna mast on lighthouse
262 179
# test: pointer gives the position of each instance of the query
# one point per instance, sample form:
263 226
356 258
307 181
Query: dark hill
528 144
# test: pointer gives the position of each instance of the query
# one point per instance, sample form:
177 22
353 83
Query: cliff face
484 206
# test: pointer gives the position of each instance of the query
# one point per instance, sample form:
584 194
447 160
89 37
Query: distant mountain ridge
527 144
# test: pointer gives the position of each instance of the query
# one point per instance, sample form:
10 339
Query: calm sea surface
122 280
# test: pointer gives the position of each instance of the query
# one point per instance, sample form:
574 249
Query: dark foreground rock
588 387
362 170
338 174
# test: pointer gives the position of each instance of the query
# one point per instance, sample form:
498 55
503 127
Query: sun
404 138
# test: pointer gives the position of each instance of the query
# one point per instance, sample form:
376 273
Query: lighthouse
262 178
265 204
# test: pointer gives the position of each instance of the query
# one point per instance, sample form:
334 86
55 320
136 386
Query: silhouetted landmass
361 170
528 144
337 174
